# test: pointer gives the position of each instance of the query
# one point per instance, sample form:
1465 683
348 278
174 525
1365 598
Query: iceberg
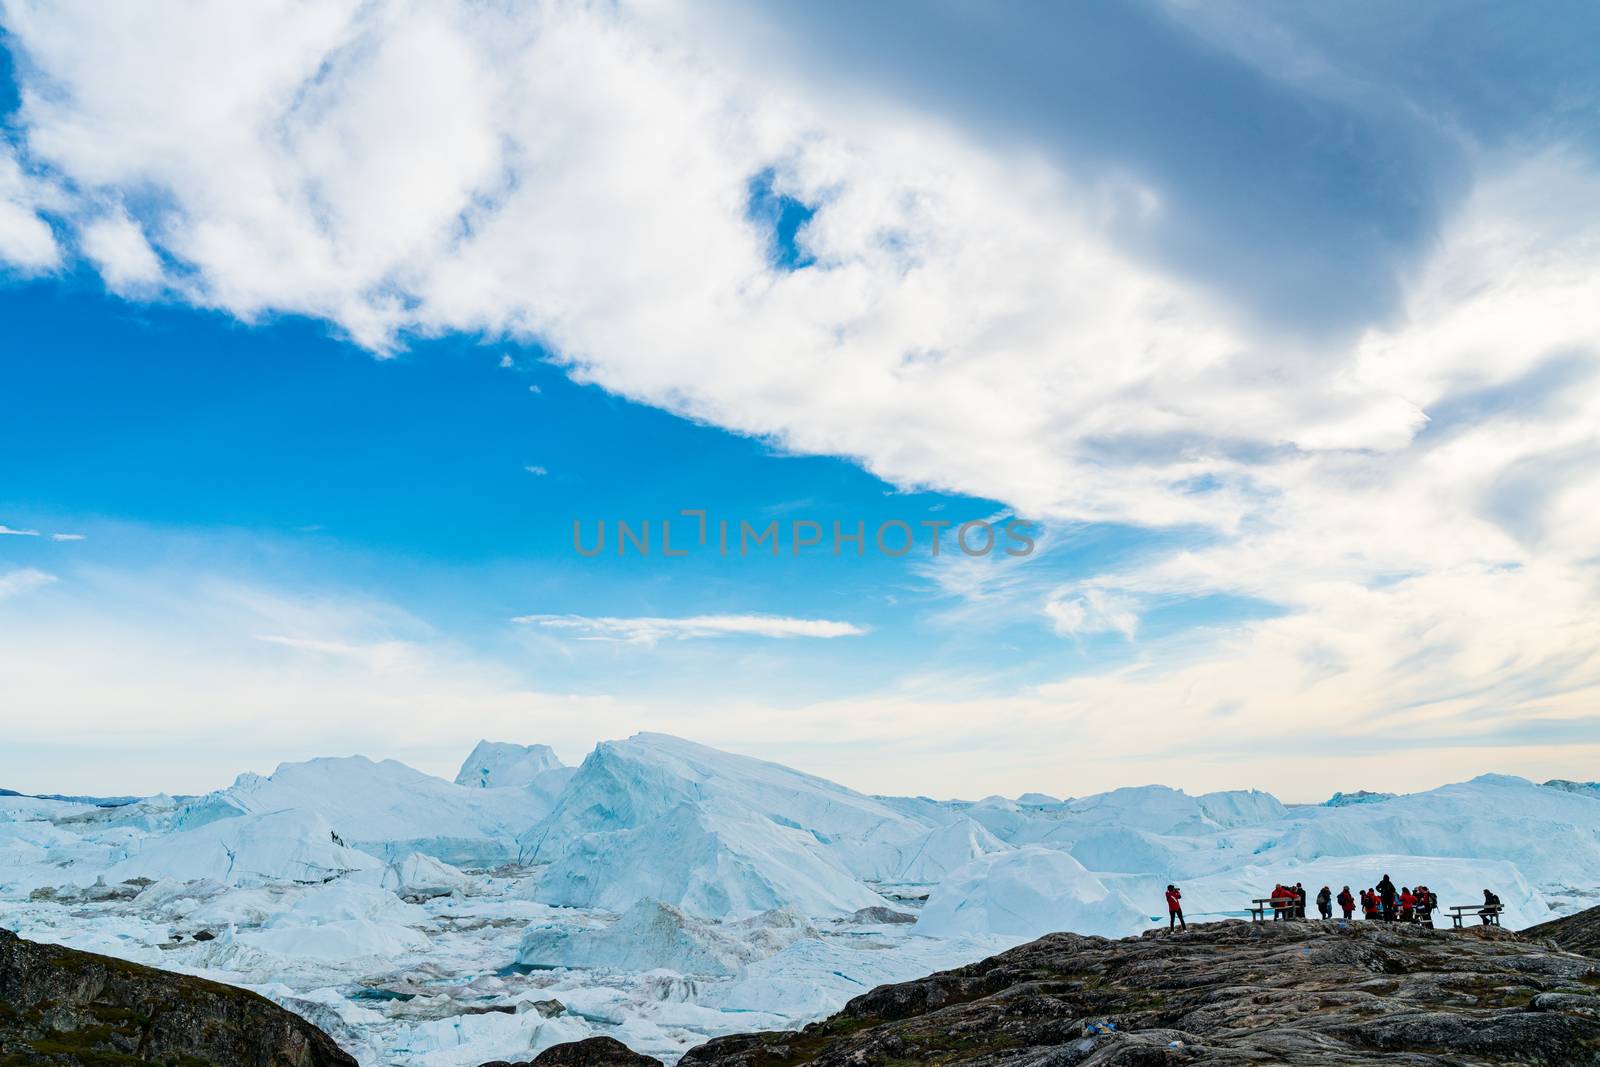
943 849
1551 835
1026 893
655 936
715 834
495 764
710 865
282 846
385 808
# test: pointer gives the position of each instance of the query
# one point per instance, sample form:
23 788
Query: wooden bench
1489 914
1284 908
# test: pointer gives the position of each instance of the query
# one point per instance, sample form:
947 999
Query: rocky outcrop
61 1006
1575 933
1222 994
590 1052
1225 993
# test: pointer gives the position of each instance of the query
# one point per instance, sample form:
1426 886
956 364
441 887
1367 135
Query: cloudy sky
322 323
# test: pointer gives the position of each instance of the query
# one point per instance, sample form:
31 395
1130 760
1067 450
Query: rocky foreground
61 1006
1224 994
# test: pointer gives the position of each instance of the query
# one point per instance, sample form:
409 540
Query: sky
323 327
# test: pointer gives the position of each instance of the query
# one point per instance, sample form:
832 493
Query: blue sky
1281 329
147 426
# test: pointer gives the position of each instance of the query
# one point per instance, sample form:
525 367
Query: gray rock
1224 994
880 914
76 1009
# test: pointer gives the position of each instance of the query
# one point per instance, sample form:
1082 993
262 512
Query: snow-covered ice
665 892
1024 893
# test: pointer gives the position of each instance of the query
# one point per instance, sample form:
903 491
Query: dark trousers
1175 918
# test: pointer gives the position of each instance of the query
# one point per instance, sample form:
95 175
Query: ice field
665 892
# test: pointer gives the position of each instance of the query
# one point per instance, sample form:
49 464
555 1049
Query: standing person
1347 903
1300 901
1408 904
1386 898
1175 907
1280 902
1325 902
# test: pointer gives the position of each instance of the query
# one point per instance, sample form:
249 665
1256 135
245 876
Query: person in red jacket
1347 902
1175 908
1408 902
1369 904
1282 902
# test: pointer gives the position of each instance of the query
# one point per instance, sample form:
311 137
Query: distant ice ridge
1360 796
1588 789
1551 835
385 808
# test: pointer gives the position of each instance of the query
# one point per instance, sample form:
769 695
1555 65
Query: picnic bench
1490 914
1282 908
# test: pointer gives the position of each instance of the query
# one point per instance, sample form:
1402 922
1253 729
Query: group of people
1381 903
1408 905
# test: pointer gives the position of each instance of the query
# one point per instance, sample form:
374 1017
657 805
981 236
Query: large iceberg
495 764
709 864
1551 835
280 846
1025 893
385 808
944 849
715 834
624 785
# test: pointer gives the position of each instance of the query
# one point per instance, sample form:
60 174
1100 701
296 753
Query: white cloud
23 580
26 241
67 537
12 532
535 469
975 321
970 323
647 630
1093 611
118 247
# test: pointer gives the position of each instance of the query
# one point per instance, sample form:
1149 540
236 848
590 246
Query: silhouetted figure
1325 902
1386 898
1175 908
1300 901
1491 907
